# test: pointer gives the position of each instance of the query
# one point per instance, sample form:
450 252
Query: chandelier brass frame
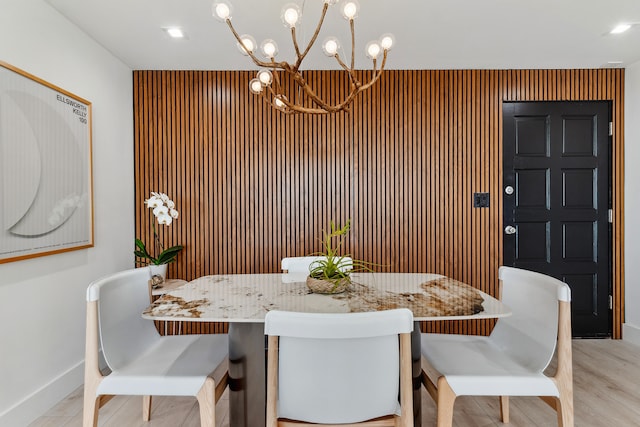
268 82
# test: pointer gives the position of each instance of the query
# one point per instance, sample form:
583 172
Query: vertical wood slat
253 185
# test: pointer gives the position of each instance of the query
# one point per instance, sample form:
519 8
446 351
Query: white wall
631 327
42 300
42 305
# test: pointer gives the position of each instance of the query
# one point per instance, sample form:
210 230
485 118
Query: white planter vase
159 270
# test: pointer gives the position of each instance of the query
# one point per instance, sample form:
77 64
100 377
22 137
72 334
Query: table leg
247 375
416 357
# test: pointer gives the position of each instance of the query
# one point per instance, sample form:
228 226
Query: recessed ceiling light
613 64
175 32
620 28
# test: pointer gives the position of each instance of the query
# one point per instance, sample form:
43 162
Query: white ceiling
430 34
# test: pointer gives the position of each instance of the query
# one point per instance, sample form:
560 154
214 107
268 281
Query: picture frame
46 182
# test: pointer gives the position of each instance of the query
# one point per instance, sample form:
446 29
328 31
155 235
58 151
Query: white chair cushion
304 264
475 366
338 368
174 366
298 264
124 334
529 335
338 325
294 277
364 373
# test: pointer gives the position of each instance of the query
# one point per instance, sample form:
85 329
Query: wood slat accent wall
253 185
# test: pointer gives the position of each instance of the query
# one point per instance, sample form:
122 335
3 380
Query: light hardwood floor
606 388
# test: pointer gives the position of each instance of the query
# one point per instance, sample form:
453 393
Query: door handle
509 229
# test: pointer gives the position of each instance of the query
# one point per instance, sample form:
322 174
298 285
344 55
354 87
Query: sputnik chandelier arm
268 82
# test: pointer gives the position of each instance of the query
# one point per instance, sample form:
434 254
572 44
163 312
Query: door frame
580 85
607 282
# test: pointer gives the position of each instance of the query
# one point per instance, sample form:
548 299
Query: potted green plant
330 274
164 212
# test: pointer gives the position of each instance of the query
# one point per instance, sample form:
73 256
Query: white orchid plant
164 211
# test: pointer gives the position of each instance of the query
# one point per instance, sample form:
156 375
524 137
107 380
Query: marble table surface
248 297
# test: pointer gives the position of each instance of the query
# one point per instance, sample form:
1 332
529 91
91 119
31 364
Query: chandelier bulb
373 50
350 10
248 43
387 41
255 86
278 101
221 10
330 46
291 15
269 48
265 77
331 2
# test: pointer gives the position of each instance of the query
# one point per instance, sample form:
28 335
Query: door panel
556 157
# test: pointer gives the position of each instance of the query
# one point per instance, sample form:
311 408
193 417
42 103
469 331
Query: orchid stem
159 247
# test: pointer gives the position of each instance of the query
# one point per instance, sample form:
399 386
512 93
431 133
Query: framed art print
45 168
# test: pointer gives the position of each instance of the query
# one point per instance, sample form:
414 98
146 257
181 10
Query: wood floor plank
606 387
69 406
49 421
129 414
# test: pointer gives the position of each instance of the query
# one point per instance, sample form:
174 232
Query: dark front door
556 201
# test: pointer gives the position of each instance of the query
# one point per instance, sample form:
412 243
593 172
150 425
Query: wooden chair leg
146 408
90 410
92 375
446 399
406 382
272 381
564 374
564 407
504 409
207 401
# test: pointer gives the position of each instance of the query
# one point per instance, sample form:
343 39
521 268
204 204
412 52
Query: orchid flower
164 211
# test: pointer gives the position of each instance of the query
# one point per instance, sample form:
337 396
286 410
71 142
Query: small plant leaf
142 251
169 255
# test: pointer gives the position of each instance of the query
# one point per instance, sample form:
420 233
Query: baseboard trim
40 401
631 333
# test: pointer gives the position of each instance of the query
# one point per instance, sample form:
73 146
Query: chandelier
268 82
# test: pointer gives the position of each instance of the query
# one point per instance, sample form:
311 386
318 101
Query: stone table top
248 297
167 286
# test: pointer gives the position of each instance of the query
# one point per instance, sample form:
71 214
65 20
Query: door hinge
610 302
610 128
610 216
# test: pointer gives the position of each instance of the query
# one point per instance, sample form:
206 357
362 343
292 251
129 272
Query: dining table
243 300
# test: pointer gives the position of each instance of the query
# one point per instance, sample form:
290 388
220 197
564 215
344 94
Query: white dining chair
304 264
511 361
345 368
140 361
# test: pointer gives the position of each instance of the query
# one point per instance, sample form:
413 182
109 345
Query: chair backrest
338 368
304 264
530 334
121 298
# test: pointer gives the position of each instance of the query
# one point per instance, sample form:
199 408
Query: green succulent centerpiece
330 273
165 212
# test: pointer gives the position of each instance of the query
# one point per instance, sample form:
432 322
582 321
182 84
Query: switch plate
480 200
